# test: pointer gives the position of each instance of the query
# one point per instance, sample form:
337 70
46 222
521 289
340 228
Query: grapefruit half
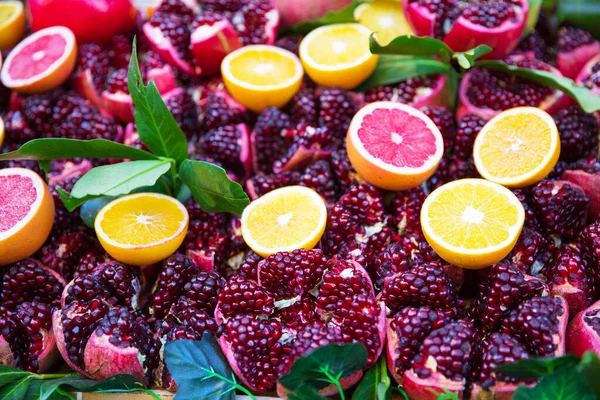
27 214
41 62
394 146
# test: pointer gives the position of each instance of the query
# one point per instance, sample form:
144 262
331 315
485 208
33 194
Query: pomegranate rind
430 388
83 83
291 14
380 173
55 75
590 184
167 52
210 45
103 359
29 234
586 71
572 63
118 105
580 336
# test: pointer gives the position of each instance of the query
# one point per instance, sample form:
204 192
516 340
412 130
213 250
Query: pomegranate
291 14
417 92
590 77
464 25
575 48
230 145
90 20
433 345
102 331
583 333
590 183
30 292
300 301
486 93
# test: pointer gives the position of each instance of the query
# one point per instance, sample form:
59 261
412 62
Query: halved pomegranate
417 92
486 93
575 48
590 78
584 331
463 25
300 301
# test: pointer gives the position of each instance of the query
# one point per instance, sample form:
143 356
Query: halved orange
41 62
1 132
12 23
262 76
472 223
518 147
143 228
385 17
338 55
285 219
394 146
27 214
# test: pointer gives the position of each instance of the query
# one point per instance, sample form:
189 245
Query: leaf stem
333 379
54 376
233 383
176 183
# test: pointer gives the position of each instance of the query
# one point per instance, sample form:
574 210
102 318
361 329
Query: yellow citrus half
338 55
385 17
12 23
285 219
143 228
262 76
472 223
518 147
1 132
26 214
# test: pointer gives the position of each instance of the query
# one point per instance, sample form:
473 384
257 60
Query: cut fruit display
338 55
12 23
27 214
261 76
1 131
41 62
141 229
394 146
518 147
472 223
383 17
285 219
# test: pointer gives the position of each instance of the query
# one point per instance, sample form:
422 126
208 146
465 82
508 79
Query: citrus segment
26 211
41 62
394 146
261 76
472 223
338 55
285 219
385 17
141 229
12 23
518 147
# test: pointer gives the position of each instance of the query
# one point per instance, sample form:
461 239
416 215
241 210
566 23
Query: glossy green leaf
305 392
536 367
535 7
375 384
589 367
345 14
212 188
589 101
77 383
56 149
155 123
410 45
394 69
467 59
9 374
584 14
16 389
564 384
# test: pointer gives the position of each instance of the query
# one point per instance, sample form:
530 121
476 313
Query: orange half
12 23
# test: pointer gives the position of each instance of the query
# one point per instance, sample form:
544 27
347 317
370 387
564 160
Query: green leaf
9 374
190 364
453 85
305 392
114 180
345 14
467 59
589 367
584 14
56 149
535 7
77 383
212 188
16 389
565 384
317 368
410 45
537 367
44 166
155 123
587 100
376 384
394 69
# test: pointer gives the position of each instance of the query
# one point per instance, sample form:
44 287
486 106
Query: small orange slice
285 219
338 55
262 76
518 147
472 223
12 23
141 229
41 62
27 214
385 17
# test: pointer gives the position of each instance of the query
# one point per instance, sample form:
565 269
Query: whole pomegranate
291 14
90 20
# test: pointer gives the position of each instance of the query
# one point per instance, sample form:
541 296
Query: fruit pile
448 241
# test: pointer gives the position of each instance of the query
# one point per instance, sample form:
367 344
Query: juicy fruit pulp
472 223
383 17
12 23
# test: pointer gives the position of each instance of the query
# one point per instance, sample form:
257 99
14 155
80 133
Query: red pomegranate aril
575 48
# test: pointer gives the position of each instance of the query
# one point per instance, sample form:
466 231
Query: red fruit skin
465 35
590 183
82 82
167 51
210 45
94 21
570 64
586 71
430 388
291 13
98 350
580 336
